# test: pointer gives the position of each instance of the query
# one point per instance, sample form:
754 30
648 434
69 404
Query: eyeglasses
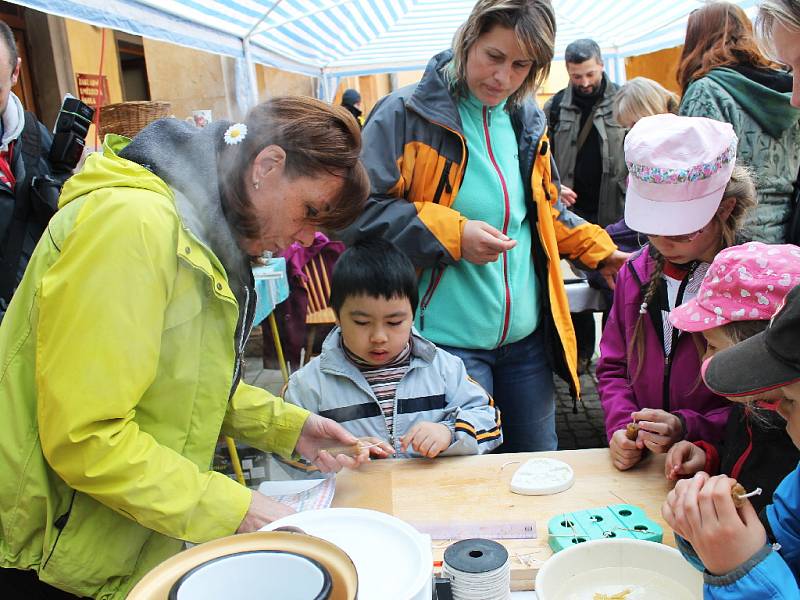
679 239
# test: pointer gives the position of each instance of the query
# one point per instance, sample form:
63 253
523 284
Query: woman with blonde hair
724 75
642 97
778 26
486 233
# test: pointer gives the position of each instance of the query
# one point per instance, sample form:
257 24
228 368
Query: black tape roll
476 555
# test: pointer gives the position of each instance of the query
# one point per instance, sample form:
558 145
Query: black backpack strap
31 142
30 147
554 114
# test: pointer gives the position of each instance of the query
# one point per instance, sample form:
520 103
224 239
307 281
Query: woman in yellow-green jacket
121 351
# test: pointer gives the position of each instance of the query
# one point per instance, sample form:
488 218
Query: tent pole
250 67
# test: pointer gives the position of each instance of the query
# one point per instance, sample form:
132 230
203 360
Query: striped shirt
383 380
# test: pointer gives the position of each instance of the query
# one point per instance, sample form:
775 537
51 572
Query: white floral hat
678 168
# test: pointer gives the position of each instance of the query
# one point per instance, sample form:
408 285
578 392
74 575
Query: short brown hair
718 35
317 138
534 24
7 38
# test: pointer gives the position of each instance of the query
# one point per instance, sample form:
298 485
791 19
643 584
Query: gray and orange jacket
416 156
436 389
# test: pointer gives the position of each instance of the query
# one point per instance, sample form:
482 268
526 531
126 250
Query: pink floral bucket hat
744 283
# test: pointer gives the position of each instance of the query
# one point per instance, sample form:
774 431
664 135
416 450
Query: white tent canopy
337 38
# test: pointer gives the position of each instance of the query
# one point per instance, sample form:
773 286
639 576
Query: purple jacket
703 412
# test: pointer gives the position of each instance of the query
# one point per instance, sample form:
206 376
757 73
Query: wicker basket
128 118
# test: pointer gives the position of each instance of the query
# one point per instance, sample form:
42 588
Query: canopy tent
329 39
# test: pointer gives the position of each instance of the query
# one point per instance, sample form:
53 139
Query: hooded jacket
121 360
415 152
773 572
768 128
669 383
23 210
756 451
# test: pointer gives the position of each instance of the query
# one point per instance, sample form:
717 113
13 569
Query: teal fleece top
503 294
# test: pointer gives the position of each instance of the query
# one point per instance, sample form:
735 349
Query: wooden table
476 488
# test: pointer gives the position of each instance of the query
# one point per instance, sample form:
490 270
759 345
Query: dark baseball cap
351 97
764 362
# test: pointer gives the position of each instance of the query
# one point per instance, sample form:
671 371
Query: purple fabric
291 314
626 240
704 412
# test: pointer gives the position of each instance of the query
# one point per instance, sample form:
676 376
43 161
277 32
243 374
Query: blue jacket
772 572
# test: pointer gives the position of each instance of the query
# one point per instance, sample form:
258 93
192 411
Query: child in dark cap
746 556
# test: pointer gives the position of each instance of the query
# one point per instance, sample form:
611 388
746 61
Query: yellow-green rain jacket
117 360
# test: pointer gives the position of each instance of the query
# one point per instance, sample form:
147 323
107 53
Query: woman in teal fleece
724 76
464 183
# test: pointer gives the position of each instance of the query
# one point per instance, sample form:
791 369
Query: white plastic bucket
255 575
650 570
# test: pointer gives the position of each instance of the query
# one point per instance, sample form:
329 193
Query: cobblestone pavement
584 429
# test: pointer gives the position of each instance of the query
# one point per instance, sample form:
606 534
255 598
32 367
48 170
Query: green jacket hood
107 169
770 109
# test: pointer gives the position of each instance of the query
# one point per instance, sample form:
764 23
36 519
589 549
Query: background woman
122 347
463 181
724 76
642 97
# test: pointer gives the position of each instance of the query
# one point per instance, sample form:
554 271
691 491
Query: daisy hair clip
235 134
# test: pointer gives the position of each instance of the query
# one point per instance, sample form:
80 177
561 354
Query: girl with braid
688 197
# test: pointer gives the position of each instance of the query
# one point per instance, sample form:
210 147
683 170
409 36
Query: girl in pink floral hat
740 293
687 197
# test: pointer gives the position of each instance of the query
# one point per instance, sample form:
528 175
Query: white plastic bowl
652 571
254 576
393 559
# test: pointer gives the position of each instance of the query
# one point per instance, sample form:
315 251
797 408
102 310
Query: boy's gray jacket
436 388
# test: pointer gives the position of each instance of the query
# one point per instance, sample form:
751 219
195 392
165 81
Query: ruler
492 530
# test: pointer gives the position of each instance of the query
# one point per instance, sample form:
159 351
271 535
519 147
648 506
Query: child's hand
684 459
658 429
701 510
624 452
428 439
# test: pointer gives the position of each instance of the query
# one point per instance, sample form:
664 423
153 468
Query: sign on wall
92 89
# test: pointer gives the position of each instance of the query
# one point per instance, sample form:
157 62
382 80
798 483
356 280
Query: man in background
28 192
351 100
588 150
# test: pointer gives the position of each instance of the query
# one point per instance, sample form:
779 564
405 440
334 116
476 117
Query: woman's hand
319 432
609 266
701 510
624 452
568 196
481 243
684 459
658 429
263 510
427 438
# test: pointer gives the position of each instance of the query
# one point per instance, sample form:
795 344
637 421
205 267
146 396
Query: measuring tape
491 530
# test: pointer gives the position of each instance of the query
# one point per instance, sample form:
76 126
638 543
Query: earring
256 184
